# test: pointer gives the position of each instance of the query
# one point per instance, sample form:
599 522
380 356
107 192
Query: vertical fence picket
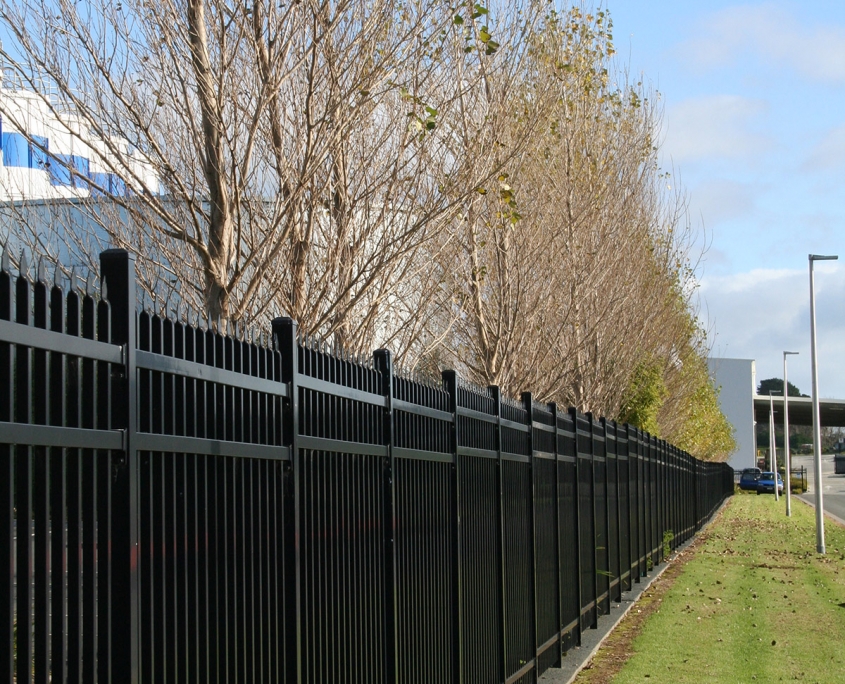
23 484
58 494
41 491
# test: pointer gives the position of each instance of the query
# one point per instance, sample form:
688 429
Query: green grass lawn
756 603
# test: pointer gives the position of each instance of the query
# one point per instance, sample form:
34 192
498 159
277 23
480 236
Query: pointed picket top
23 266
74 284
89 285
41 270
104 290
57 276
5 261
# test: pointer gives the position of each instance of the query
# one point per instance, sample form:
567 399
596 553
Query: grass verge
751 600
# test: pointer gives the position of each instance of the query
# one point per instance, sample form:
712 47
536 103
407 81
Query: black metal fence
179 505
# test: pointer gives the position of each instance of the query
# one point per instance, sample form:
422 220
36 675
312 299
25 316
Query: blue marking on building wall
15 150
69 170
64 169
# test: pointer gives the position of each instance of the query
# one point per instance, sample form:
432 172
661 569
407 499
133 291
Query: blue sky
754 129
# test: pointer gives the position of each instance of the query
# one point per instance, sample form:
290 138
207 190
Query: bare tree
272 157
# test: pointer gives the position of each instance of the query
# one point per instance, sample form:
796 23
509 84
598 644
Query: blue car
749 478
766 483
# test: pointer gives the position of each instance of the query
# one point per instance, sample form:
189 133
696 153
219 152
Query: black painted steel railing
184 506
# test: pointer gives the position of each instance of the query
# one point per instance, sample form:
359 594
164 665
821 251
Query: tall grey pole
817 440
786 457
773 454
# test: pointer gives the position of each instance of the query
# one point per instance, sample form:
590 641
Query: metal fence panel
185 501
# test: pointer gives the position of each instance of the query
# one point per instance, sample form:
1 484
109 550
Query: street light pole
786 457
817 440
773 454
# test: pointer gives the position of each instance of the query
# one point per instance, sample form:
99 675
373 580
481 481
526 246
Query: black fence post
573 413
287 342
529 419
593 507
384 365
117 270
559 587
496 393
611 430
7 486
642 502
450 384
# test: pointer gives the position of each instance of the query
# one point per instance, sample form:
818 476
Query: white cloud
760 313
774 34
718 126
829 153
721 199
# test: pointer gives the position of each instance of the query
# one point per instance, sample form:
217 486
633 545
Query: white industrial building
744 408
50 154
737 383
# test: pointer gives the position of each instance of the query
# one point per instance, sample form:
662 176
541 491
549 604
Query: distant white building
50 154
737 383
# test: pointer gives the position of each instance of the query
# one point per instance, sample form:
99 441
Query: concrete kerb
812 504
592 639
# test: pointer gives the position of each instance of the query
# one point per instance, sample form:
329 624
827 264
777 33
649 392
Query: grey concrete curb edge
812 505
592 639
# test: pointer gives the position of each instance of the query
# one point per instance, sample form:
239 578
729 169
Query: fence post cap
116 252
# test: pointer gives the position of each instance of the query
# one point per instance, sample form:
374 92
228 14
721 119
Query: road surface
833 486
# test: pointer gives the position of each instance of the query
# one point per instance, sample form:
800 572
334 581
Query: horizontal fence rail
182 505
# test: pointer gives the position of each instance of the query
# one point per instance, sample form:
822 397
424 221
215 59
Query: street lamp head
821 257
786 352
